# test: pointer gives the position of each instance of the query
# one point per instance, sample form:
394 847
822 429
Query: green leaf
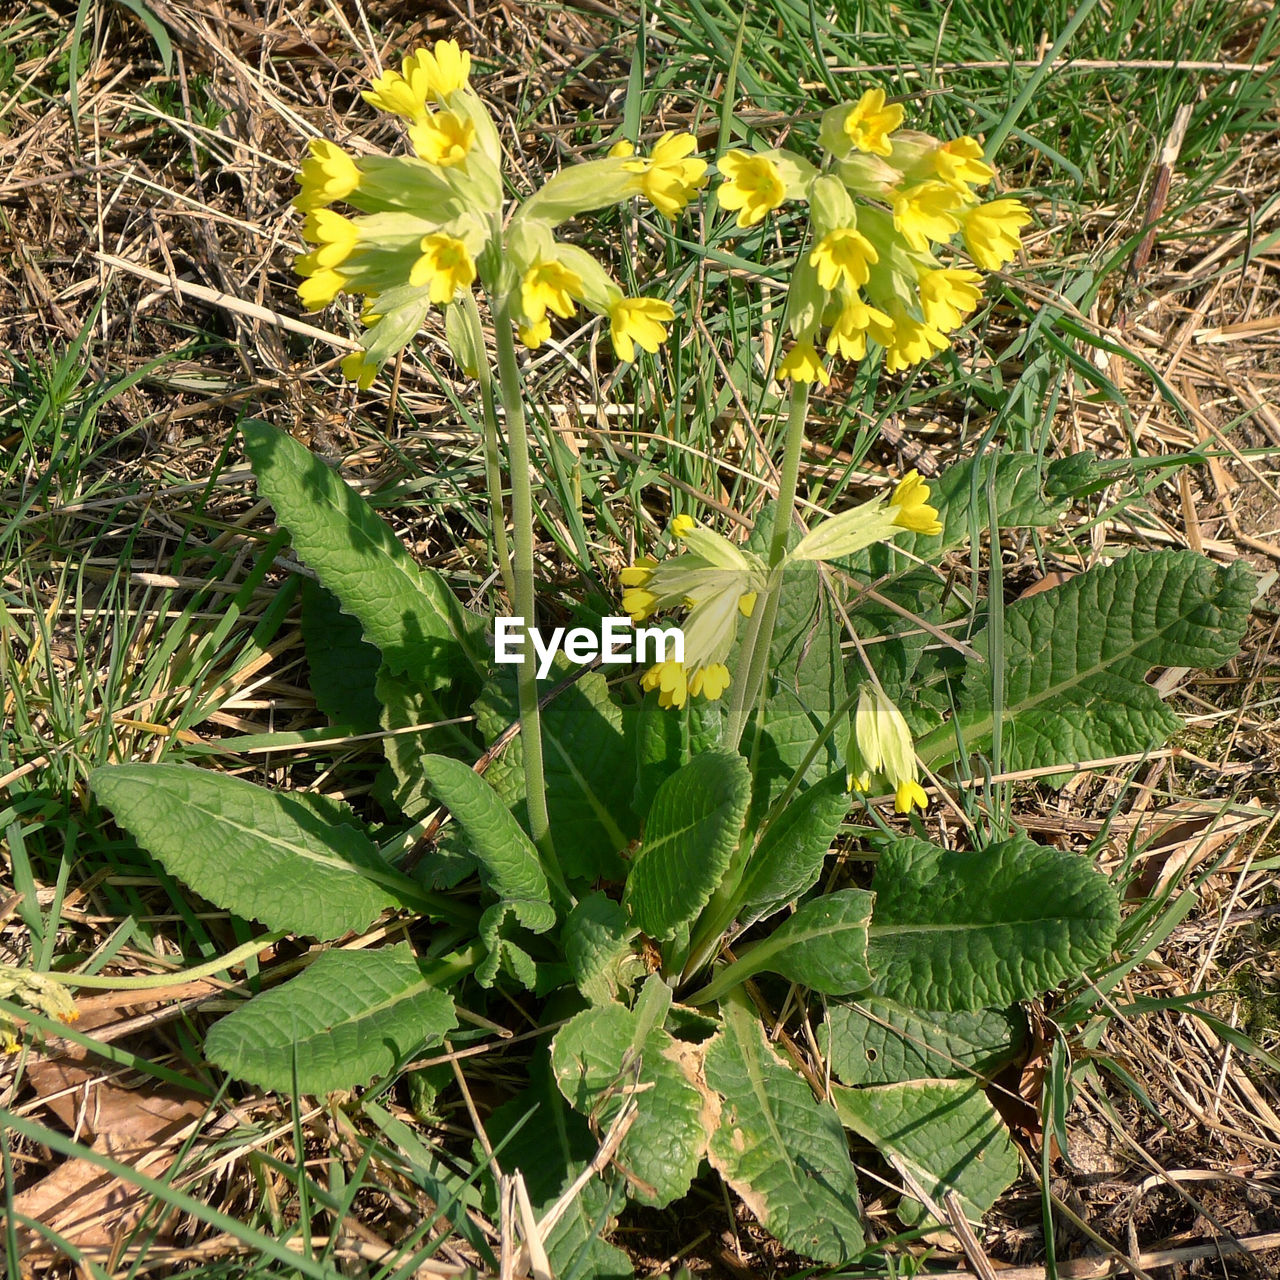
823 946
539 1136
779 1148
604 1054
690 835
598 947
342 668
349 1016
155 29
406 611
265 855
507 859
956 930
788 860
407 705
668 737
940 1135
1075 659
805 685
873 1040
587 765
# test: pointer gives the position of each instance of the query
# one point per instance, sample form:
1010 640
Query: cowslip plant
648 855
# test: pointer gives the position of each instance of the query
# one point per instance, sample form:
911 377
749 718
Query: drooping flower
960 163
445 265
909 506
752 184
926 212
717 582
992 232
869 124
849 532
328 175
549 286
881 743
333 235
444 138
359 369
948 295
848 334
320 285
671 175
913 340
638 322
843 257
803 364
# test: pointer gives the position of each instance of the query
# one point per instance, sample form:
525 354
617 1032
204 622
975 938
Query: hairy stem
511 390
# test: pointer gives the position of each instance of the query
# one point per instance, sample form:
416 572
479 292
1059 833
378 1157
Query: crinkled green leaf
342 667
607 1051
872 1040
823 945
349 1016
778 1147
690 834
263 854
668 737
432 714
587 765
408 613
597 943
508 864
940 1135
955 930
1076 657
788 860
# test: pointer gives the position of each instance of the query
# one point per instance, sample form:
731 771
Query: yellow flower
393 93
948 295
843 255
549 286
445 264
671 682
926 212
443 138
335 235
621 149
440 73
638 321
709 681
909 793
321 286
870 123
330 174
960 162
535 334
751 184
909 506
992 232
881 743
803 364
913 341
848 336
717 582
671 174
359 369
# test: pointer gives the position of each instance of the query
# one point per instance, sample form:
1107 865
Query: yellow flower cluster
884 203
880 746
718 582
427 227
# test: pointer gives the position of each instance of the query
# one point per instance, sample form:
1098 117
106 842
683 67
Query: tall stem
492 455
510 387
758 640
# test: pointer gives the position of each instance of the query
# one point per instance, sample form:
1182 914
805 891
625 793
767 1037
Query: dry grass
155 222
